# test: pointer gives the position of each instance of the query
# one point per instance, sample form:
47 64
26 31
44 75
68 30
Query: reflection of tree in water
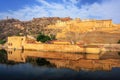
3 56
39 61
12 63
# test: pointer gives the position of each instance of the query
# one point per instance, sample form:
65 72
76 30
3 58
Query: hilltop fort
91 31
65 29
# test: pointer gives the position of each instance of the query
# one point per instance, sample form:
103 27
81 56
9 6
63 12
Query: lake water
35 65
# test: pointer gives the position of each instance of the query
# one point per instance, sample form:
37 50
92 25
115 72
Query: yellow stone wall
79 26
16 42
61 42
20 42
54 47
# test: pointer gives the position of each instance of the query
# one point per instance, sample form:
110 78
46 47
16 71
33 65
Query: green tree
43 38
2 41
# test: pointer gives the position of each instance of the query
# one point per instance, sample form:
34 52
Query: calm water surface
35 65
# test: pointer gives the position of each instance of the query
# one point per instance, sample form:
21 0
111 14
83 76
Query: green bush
2 41
43 38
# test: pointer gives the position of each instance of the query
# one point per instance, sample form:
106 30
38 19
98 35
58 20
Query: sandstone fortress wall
81 30
79 26
17 42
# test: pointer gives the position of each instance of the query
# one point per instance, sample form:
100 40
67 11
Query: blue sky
84 9
14 4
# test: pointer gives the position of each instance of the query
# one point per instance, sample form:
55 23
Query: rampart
17 42
78 26
21 42
54 47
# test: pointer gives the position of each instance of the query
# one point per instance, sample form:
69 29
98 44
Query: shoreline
89 48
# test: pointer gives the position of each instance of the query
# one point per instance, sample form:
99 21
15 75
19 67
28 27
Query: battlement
78 22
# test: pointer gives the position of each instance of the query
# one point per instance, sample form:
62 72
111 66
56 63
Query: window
10 44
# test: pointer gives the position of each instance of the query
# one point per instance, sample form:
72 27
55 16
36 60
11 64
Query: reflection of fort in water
68 60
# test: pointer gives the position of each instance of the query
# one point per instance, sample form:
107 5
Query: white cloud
108 9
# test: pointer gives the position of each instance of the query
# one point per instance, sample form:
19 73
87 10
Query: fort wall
79 26
16 42
54 47
22 43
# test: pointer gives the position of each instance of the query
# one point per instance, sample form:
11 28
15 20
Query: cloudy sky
84 9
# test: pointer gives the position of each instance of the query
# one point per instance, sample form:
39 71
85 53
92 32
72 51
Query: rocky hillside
7 28
11 27
64 28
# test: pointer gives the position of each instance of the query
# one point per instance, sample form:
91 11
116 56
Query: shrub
2 41
43 38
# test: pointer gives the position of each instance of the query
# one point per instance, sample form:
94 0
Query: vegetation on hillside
45 38
2 41
10 27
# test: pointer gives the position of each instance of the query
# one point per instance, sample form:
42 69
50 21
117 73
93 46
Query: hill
65 29
10 27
